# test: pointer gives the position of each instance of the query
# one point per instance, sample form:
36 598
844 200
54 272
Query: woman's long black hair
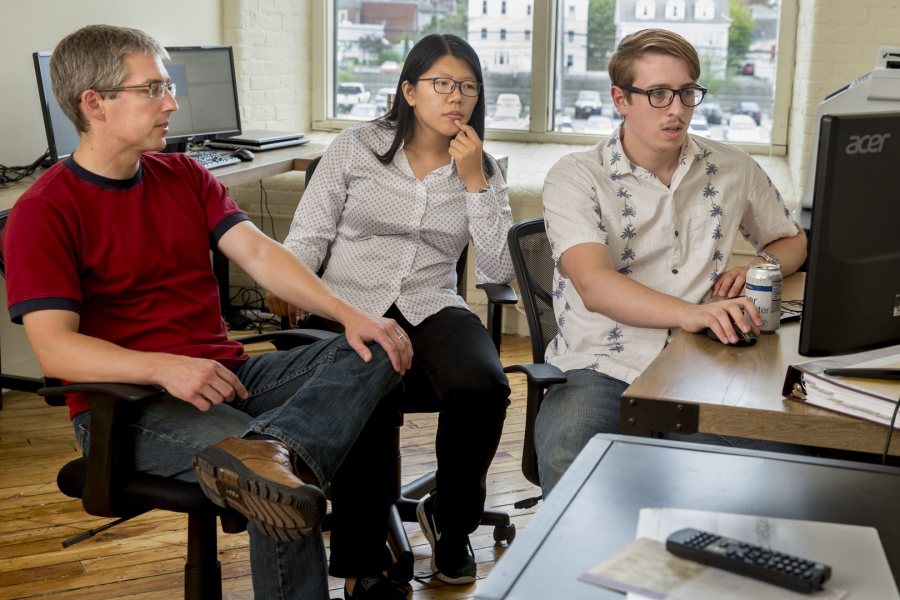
401 116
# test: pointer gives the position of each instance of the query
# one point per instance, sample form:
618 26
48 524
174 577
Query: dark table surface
593 512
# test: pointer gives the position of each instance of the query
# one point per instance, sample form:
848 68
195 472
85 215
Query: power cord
252 301
264 211
890 432
11 175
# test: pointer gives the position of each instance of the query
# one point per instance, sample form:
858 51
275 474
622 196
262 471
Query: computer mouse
744 339
243 154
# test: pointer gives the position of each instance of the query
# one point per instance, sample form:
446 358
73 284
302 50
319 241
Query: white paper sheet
855 554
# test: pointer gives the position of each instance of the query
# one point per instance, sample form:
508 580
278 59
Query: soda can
764 289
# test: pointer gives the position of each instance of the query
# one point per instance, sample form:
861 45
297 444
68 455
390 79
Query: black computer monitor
205 89
206 92
62 138
852 297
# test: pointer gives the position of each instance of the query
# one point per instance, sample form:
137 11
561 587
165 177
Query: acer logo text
867 144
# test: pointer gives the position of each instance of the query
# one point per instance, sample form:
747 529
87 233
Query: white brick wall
837 42
271 51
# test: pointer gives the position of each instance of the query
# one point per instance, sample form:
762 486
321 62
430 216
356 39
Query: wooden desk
699 385
265 164
593 511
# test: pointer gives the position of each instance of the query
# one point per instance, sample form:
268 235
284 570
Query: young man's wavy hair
401 116
634 46
94 58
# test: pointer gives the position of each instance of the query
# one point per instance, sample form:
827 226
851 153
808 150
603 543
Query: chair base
202 570
404 511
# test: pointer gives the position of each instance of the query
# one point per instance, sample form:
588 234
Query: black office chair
408 496
108 490
534 266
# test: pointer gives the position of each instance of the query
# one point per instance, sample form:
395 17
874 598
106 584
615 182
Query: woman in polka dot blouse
392 205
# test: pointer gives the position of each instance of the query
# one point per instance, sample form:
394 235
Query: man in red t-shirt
108 268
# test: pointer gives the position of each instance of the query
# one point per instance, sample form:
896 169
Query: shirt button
676 233
674 271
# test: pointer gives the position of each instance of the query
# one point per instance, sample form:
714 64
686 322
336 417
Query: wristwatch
768 258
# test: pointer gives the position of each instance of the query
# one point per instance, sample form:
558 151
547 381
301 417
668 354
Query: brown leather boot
255 478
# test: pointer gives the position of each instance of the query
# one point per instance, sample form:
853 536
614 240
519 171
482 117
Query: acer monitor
206 92
852 297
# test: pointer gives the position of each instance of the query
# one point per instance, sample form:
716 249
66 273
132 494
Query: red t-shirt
130 256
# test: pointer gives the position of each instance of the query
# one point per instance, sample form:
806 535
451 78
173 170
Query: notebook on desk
260 139
868 399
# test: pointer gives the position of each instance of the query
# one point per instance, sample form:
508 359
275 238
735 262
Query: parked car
350 94
750 109
506 121
748 69
365 111
390 66
599 125
699 126
381 98
742 128
564 125
588 103
711 111
508 105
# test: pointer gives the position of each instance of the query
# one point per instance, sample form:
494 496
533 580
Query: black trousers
456 371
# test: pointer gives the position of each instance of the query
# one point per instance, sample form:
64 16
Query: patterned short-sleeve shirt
675 239
391 238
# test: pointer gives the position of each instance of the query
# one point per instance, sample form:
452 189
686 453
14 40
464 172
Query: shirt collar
401 162
617 165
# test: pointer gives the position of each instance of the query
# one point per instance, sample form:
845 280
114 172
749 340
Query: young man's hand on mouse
723 315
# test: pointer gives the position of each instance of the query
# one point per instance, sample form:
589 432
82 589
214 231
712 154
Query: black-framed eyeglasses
155 90
663 97
445 85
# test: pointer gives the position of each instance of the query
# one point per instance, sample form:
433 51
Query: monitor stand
176 147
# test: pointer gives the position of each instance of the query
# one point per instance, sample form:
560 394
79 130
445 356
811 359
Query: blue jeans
588 404
571 414
316 399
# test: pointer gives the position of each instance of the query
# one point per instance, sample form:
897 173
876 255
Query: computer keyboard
214 160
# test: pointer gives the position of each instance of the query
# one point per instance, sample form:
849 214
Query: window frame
544 35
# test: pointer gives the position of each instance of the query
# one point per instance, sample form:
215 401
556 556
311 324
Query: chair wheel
505 534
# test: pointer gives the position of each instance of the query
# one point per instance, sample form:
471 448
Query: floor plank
144 558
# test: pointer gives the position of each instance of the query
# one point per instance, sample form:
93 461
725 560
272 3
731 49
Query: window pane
372 39
736 41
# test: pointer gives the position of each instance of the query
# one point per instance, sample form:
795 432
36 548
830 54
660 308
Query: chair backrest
533 262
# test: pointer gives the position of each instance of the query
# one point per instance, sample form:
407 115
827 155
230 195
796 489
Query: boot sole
280 512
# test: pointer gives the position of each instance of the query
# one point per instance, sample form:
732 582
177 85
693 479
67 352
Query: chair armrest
540 374
540 377
499 293
110 403
124 391
289 338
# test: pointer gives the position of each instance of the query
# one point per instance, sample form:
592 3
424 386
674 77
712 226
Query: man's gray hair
94 58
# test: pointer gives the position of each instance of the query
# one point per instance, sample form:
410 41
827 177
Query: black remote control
791 572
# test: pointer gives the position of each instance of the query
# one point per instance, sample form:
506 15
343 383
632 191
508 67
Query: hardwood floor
144 558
